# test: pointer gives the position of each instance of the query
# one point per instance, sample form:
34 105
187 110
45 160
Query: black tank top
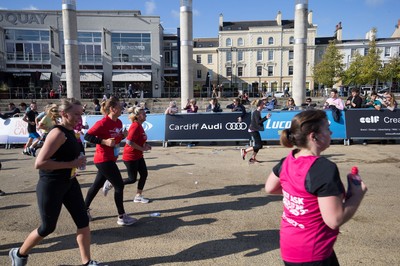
67 152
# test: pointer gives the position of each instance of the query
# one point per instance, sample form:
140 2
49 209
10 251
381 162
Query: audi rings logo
236 126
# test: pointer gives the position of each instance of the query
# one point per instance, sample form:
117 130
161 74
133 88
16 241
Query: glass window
240 42
26 45
259 41
240 55
259 71
270 55
290 71
198 59
198 73
229 71
229 42
291 40
209 59
270 71
387 51
131 47
229 56
240 71
259 56
270 40
291 54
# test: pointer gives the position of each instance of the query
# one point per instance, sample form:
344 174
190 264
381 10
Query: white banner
13 130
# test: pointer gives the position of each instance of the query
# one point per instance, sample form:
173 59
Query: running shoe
126 220
33 151
94 263
251 161
141 199
107 187
243 153
17 261
27 152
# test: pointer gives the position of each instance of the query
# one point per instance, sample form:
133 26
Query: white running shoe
140 199
126 220
15 260
107 187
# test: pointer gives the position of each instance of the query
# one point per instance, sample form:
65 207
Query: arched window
229 42
259 41
291 40
240 42
270 40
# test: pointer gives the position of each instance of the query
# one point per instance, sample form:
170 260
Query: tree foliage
365 69
331 68
392 69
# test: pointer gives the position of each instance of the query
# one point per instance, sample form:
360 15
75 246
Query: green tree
391 71
371 70
331 68
352 76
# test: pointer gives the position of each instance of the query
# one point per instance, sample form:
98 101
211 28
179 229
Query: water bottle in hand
83 166
354 178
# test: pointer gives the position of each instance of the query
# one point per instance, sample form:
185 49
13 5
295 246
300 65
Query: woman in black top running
57 186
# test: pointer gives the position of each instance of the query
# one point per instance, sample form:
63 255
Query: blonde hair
134 112
108 104
68 104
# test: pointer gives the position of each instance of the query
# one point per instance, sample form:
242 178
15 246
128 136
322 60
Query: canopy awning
131 77
45 76
91 77
86 77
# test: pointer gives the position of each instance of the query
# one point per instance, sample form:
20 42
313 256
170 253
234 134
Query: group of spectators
386 100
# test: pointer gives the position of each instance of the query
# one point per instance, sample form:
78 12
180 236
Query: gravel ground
213 210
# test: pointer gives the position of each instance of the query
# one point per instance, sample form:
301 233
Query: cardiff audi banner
206 126
372 124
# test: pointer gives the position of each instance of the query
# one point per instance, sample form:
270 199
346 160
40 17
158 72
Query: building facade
257 56
116 49
122 49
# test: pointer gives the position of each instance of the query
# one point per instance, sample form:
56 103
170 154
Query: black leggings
51 195
108 171
330 261
257 141
133 168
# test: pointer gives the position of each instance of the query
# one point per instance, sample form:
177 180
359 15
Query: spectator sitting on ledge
214 106
12 110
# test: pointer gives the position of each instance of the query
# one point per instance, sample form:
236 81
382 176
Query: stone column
70 28
186 31
300 51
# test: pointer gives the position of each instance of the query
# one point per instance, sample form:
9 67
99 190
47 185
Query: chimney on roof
279 18
221 21
310 17
338 32
371 35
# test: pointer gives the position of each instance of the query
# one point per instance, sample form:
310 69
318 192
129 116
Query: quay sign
22 18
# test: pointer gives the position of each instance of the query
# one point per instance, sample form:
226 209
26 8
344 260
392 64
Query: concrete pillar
300 51
70 28
186 31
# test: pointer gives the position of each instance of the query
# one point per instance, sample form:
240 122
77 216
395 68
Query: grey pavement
214 210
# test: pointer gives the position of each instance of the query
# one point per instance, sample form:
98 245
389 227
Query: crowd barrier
353 124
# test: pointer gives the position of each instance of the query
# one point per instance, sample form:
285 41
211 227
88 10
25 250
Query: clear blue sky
357 16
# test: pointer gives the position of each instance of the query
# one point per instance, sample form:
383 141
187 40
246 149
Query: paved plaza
213 210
